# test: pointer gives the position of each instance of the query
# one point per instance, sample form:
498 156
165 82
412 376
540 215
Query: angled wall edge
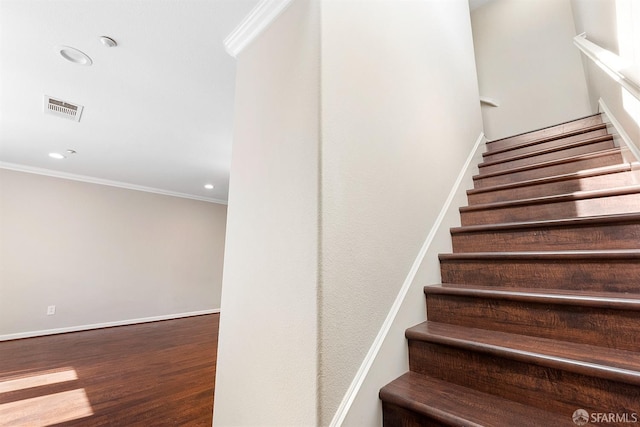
259 19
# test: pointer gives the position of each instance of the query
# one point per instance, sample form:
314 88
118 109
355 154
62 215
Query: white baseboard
79 328
367 363
621 137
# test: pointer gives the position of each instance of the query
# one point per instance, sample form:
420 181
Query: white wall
391 360
102 254
400 115
603 22
352 124
526 60
267 354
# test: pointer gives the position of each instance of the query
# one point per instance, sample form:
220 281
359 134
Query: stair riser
583 149
542 172
615 236
546 388
602 327
544 133
568 209
396 416
503 325
598 182
605 275
544 145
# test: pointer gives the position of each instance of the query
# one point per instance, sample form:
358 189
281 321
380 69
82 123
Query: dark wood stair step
552 141
555 375
596 318
609 201
593 179
415 400
582 233
550 131
567 165
601 270
610 364
554 153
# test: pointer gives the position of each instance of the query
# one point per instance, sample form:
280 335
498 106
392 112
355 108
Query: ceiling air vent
64 109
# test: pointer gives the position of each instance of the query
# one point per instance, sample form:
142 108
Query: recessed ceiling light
72 54
108 41
57 156
209 186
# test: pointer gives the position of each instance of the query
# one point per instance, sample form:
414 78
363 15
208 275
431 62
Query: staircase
538 313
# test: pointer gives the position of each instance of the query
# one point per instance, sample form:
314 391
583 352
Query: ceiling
158 107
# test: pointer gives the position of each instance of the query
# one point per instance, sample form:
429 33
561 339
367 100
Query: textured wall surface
527 61
613 26
267 356
102 254
400 114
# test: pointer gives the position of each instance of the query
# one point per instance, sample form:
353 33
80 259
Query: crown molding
99 181
260 17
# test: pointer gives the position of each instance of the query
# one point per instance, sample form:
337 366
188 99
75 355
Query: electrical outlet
51 310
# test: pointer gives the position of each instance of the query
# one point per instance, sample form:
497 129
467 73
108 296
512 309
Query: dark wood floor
151 374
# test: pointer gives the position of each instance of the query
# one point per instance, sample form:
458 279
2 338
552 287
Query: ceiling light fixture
209 186
72 54
57 156
108 41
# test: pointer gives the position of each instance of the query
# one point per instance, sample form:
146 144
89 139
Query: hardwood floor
151 374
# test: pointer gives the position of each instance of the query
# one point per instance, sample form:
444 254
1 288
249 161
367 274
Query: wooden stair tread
613 300
456 405
582 255
628 218
540 152
577 195
543 128
537 313
623 167
583 359
570 159
549 138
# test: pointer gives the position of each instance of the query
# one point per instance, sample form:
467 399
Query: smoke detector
57 107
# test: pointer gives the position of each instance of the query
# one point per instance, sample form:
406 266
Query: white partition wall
267 355
353 122
102 255
526 60
613 25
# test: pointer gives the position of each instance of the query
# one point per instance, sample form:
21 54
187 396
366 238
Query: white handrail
609 62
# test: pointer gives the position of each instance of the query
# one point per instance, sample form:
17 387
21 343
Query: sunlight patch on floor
37 380
48 408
